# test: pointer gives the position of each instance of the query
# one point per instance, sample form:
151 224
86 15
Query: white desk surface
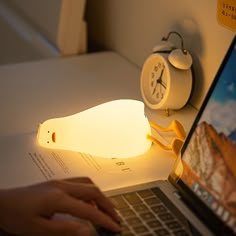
33 92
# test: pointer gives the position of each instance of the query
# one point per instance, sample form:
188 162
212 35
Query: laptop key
159 208
133 221
173 225
166 216
152 201
140 208
161 232
140 229
132 198
145 193
125 230
147 216
119 202
127 212
180 233
124 227
154 224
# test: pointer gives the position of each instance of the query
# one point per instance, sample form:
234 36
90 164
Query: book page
24 162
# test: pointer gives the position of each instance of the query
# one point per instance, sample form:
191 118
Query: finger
83 179
83 210
62 227
90 192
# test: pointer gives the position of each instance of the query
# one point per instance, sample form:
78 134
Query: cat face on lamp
117 128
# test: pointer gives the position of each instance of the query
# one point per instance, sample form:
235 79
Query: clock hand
163 84
159 81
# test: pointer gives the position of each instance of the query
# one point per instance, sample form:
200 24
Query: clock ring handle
179 57
181 40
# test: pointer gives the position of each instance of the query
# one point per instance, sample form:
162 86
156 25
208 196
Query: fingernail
119 225
117 217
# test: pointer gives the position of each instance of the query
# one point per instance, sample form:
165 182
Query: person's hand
31 210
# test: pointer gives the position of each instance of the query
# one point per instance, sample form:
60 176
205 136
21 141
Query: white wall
19 40
43 14
132 28
60 21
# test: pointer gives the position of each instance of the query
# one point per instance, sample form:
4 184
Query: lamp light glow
117 128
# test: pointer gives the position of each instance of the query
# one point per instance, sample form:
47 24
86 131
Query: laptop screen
209 156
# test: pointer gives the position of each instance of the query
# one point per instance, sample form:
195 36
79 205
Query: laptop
199 197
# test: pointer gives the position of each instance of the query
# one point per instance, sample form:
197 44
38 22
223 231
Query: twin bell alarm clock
166 76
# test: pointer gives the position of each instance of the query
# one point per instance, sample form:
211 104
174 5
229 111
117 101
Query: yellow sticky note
226 13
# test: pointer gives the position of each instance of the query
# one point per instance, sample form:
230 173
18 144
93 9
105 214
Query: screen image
209 161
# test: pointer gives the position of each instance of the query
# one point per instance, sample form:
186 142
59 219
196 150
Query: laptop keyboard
143 213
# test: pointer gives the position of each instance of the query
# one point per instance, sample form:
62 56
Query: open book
24 162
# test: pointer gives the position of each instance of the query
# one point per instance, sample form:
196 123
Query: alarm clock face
154 80
157 81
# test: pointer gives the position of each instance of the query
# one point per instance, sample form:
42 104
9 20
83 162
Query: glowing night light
114 129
